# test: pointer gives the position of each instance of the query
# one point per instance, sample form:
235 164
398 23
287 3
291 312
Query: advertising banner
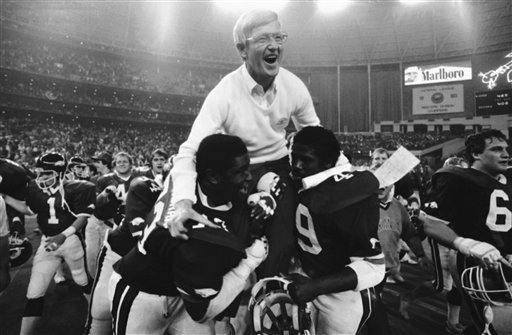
437 73
493 71
439 99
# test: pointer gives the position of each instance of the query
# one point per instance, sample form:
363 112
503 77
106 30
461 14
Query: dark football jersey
476 205
115 208
336 220
55 215
140 199
151 265
15 179
145 172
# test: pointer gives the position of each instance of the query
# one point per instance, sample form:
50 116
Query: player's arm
411 236
208 121
439 230
54 242
360 274
233 284
106 196
305 114
19 205
139 202
82 203
366 268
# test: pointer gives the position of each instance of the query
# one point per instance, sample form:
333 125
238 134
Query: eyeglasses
265 39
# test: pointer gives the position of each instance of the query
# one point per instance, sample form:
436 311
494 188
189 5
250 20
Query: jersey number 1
53 218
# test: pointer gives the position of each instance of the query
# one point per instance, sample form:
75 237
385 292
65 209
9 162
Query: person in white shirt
256 103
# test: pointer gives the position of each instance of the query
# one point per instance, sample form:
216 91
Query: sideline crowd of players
198 282
157 251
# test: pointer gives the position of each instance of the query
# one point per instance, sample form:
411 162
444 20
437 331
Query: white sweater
234 108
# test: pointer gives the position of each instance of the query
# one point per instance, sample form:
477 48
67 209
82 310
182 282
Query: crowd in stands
27 104
61 90
359 146
34 54
22 139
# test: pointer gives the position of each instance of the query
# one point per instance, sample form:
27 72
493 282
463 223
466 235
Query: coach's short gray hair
250 20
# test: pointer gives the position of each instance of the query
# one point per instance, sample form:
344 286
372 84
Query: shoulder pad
145 189
77 185
343 190
467 175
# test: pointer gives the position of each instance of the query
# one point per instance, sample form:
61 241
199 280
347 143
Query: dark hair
159 152
322 140
217 152
475 144
93 170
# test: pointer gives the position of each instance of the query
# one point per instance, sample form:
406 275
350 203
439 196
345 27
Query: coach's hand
53 243
178 214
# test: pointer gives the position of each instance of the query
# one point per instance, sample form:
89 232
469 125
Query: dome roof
379 31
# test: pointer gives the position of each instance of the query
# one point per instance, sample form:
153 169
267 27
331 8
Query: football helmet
493 286
51 162
273 311
20 250
78 167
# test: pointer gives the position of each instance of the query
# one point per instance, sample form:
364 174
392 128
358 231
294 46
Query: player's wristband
69 231
464 245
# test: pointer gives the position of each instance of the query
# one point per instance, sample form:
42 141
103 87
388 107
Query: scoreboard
493 102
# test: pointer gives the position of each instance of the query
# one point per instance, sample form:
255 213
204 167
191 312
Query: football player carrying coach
256 103
336 231
159 281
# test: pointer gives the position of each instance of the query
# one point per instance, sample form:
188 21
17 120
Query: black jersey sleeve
83 198
199 265
141 197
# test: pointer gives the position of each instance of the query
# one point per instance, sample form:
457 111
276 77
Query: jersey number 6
499 218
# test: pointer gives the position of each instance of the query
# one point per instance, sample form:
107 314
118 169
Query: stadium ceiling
364 32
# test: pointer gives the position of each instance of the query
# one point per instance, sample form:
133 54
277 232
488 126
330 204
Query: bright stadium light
412 1
331 6
245 5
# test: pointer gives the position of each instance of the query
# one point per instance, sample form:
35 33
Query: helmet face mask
20 250
50 169
47 179
491 286
273 311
